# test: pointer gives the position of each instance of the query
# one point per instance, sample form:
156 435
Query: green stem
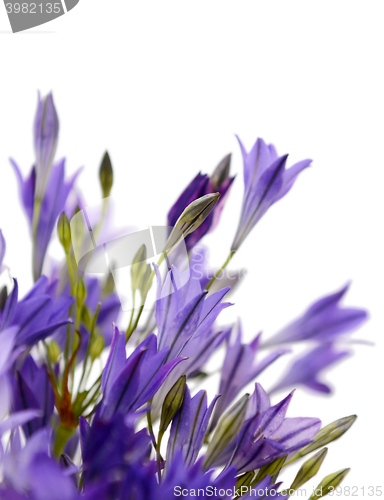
217 273
158 455
132 314
129 334
93 325
35 222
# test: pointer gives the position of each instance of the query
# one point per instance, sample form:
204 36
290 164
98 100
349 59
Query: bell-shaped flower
46 135
31 389
190 426
183 310
184 481
324 321
37 315
128 383
240 368
306 368
108 447
266 180
267 434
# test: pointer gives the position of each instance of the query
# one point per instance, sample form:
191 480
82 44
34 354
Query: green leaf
309 469
227 429
329 484
327 434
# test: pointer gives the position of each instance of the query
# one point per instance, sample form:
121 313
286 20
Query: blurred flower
52 205
2 250
324 321
46 134
266 180
240 368
37 315
306 368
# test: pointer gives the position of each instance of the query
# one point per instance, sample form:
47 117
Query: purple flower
37 315
31 389
53 203
306 368
183 311
189 426
201 185
187 481
267 434
266 180
265 489
2 250
36 475
240 368
324 321
129 383
108 447
46 134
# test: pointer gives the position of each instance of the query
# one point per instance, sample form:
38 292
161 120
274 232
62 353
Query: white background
164 86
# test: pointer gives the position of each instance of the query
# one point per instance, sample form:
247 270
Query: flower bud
46 133
64 232
80 292
172 403
309 469
106 175
329 484
192 217
53 352
97 347
138 267
221 172
227 429
326 435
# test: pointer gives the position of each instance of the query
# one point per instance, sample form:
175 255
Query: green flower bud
106 175
3 297
109 285
138 268
273 469
97 347
64 232
173 401
309 469
245 481
80 292
53 352
227 429
221 172
192 217
326 435
329 484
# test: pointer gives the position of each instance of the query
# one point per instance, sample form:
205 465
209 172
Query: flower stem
217 273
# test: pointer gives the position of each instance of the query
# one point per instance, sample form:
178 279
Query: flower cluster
92 409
